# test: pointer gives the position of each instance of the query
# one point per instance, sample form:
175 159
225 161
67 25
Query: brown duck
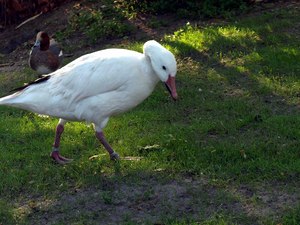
46 55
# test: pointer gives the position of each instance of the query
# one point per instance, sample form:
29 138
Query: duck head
164 65
42 41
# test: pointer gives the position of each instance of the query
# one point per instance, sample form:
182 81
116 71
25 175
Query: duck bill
171 87
37 43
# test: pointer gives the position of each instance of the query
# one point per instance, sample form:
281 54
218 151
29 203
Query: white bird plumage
98 85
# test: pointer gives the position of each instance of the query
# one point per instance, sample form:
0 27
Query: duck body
46 55
96 86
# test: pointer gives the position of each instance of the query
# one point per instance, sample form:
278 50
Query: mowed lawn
227 152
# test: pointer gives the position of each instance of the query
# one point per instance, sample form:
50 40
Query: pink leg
112 153
55 151
59 130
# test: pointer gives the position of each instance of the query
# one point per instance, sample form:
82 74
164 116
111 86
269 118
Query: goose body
46 55
98 85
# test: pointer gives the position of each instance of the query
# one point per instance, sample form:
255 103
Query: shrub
98 23
188 8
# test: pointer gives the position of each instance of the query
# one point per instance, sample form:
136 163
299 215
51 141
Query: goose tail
20 96
9 100
21 101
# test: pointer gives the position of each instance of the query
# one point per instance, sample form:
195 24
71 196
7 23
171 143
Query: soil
16 42
154 199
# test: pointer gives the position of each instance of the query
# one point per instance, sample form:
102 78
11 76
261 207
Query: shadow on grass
136 198
150 197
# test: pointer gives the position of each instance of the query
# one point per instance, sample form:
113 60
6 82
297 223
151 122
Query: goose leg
55 150
112 153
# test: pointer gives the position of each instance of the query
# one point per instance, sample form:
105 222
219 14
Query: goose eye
164 68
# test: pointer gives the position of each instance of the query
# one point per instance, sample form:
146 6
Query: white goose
96 86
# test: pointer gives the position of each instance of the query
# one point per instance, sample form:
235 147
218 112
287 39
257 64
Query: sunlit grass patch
276 69
249 50
218 40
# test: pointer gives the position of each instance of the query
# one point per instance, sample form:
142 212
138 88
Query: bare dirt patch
267 200
154 200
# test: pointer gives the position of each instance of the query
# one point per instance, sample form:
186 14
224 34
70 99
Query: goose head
42 41
164 65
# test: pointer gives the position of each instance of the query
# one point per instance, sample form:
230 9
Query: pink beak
171 86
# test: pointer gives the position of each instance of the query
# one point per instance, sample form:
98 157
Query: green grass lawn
235 124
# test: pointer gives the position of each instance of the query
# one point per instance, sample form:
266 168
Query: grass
236 123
